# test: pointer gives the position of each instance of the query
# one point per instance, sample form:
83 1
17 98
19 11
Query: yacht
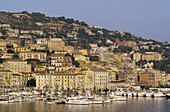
159 94
134 94
3 101
78 101
118 98
168 95
141 94
148 94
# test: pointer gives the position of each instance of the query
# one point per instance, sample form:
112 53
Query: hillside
80 35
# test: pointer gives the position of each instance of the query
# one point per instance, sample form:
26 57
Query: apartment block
33 55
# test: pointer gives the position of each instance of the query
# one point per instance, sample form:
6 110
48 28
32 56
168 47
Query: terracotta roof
98 70
55 55
33 52
5 71
59 51
15 60
80 74
25 72
16 75
147 73
63 74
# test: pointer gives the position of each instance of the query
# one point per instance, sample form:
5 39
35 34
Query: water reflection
131 105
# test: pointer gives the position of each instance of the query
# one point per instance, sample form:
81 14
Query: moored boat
159 94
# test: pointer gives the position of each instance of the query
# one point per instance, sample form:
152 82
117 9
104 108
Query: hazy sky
145 18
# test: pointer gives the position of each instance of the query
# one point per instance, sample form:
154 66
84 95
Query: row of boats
14 97
143 94
87 99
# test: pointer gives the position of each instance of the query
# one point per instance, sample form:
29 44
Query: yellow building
17 65
58 81
6 78
21 49
15 45
137 57
96 79
27 76
39 68
117 57
44 80
80 81
79 57
83 52
33 55
17 80
65 81
152 56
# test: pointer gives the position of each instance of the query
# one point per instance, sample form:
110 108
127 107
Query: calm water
131 105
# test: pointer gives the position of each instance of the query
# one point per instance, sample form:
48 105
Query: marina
86 98
131 105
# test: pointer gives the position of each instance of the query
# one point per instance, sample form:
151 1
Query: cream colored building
56 44
37 47
44 81
17 65
136 57
33 55
17 80
59 44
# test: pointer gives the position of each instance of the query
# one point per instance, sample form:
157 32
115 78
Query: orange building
146 79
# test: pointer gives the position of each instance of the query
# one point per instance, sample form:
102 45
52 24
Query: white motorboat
148 94
78 101
97 100
107 101
168 95
159 94
118 98
134 94
3 101
141 94
129 94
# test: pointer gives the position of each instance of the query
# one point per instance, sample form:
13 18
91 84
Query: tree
9 46
15 56
10 51
94 58
23 42
1 60
32 61
31 83
76 63
67 54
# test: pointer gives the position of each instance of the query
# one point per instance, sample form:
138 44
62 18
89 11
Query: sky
149 19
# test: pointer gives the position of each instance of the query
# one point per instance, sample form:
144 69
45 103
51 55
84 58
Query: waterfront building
17 80
65 81
96 79
43 80
146 79
6 78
